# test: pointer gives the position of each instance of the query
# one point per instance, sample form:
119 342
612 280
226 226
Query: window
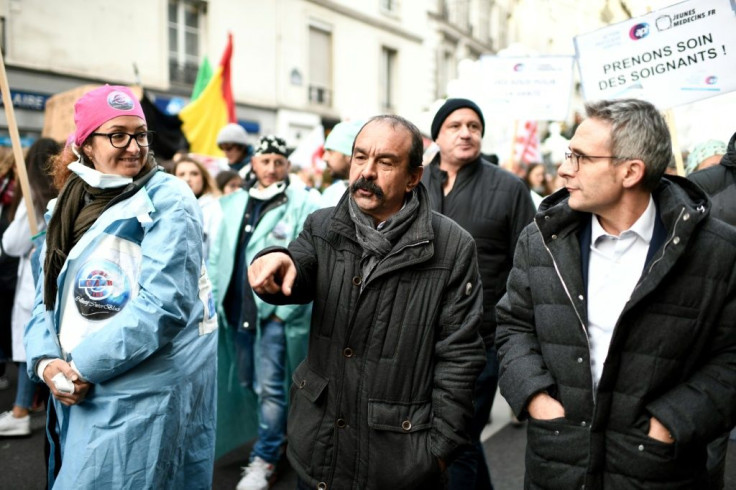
390 5
484 22
446 66
184 20
320 66
457 12
388 78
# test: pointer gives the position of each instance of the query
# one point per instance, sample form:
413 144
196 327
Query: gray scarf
377 243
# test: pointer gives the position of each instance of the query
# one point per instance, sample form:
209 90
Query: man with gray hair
624 374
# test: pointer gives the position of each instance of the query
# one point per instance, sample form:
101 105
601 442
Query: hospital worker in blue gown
123 329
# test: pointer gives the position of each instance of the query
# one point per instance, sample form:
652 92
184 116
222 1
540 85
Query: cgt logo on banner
670 57
639 31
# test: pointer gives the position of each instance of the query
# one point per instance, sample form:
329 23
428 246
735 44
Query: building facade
296 63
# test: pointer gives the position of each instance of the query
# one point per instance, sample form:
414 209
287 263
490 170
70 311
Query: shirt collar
642 227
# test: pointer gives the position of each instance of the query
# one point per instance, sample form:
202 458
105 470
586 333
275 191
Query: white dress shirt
616 264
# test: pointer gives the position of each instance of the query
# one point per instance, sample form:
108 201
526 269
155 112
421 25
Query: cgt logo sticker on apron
101 290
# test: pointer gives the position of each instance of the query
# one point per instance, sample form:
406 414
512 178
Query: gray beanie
232 133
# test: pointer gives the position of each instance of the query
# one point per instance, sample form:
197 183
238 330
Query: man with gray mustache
385 396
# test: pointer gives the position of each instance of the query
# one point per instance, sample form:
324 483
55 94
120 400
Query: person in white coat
338 151
18 242
198 178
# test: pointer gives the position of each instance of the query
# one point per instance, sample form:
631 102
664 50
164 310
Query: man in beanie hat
253 338
233 141
338 150
494 206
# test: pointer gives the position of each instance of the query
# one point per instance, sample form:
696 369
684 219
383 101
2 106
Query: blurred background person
305 178
121 330
704 155
338 150
555 145
17 242
537 182
260 343
233 141
8 264
198 178
672 166
228 181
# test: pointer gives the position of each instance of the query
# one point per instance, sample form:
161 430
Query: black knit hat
450 106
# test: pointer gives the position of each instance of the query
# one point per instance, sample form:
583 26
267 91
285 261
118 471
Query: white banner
526 88
680 54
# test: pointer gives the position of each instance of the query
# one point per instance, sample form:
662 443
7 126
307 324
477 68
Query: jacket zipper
404 265
569 296
669 240
564 285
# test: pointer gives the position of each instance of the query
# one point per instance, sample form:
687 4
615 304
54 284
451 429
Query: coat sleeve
38 336
17 236
168 282
302 252
704 405
459 354
522 370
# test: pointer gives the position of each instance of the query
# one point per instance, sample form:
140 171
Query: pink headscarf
98 106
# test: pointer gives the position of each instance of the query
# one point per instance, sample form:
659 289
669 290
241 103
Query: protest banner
673 56
526 87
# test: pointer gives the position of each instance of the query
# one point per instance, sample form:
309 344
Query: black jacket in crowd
494 206
387 385
719 182
672 354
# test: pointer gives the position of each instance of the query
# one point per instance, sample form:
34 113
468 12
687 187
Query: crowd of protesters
166 317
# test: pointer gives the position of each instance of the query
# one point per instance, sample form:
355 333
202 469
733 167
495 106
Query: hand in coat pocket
544 407
659 432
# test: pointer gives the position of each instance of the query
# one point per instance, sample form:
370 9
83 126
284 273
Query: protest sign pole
512 155
669 117
20 163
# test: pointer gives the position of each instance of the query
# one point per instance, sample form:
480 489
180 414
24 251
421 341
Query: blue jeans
26 388
469 470
266 356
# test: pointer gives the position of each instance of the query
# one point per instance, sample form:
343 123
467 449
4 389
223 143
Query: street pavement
22 465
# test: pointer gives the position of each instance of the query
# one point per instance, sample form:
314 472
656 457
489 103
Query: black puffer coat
672 354
387 385
719 182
